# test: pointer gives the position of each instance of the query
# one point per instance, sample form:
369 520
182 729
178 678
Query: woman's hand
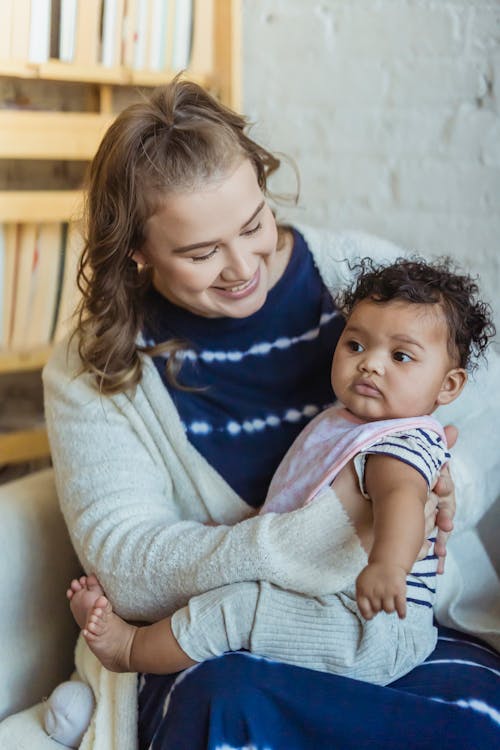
441 506
446 507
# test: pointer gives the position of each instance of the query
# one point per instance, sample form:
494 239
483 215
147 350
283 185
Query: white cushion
24 731
37 563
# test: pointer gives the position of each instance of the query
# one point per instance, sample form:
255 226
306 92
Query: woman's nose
238 265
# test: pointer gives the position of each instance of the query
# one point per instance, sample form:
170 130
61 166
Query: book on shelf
183 32
67 30
20 30
158 34
140 37
88 32
48 259
129 33
112 25
39 39
68 293
25 272
5 29
202 47
38 289
9 233
55 24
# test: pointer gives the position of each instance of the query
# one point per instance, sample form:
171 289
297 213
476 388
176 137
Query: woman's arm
140 528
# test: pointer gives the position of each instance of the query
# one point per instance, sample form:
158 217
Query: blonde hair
176 140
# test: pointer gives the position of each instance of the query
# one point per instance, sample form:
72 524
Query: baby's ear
452 386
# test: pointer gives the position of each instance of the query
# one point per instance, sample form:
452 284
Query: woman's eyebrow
210 243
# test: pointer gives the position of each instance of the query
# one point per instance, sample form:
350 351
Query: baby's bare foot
83 594
109 637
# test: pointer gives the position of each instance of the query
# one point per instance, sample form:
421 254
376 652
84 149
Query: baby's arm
398 493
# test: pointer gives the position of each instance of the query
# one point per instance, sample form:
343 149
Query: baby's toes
104 607
93 584
95 624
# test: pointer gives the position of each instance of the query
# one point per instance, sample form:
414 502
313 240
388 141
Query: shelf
22 361
51 135
19 206
54 70
23 445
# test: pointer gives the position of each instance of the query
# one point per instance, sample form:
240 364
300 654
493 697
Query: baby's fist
381 587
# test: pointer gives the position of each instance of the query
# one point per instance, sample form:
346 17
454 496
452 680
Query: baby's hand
381 586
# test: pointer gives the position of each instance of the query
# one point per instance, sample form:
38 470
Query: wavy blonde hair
176 140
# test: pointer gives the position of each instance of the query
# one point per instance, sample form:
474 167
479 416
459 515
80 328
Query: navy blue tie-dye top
261 378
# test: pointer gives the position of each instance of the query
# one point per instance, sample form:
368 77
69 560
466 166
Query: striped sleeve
422 449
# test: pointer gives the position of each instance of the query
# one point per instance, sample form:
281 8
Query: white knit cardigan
135 495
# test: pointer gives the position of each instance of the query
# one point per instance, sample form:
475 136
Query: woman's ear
139 257
451 386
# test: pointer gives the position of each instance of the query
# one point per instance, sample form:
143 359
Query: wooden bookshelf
60 136
39 205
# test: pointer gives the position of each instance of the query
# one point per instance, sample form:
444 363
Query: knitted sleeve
135 505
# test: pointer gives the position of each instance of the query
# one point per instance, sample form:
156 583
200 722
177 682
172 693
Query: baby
411 330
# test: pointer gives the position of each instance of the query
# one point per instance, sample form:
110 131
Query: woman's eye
402 357
354 346
198 258
253 230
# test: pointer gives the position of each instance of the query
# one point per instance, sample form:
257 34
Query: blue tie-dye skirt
239 701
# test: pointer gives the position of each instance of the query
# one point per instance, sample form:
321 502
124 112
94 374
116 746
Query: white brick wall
390 108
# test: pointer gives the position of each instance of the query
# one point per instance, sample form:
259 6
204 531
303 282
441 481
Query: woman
201 351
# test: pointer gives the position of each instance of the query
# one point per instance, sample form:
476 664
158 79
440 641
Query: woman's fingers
451 433
445 491
440 549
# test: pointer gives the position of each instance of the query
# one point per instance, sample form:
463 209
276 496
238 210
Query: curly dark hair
469 320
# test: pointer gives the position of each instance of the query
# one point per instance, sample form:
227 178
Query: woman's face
213 250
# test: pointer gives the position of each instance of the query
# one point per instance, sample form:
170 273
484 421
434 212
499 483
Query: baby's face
392 360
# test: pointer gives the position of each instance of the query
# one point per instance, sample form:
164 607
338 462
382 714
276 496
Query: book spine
141 26
20 30
6 29
67 30
112 30
157 35
182 34
39 44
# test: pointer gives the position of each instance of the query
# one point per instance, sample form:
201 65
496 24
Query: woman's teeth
240 287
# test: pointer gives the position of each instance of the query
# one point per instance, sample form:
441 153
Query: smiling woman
229 270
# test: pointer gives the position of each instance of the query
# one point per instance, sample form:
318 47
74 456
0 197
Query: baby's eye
354 346
401 357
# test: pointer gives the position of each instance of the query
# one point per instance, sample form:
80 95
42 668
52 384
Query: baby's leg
323 633
218 621
121 647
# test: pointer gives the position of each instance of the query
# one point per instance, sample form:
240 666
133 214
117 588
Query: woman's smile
239 291
213 251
